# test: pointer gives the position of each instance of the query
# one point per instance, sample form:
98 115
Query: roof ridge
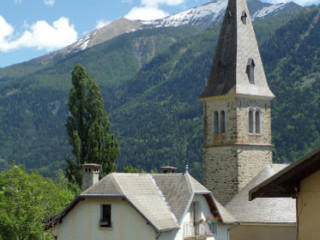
189 182
153 180
116 183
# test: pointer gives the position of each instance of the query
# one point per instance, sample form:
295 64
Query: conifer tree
88 127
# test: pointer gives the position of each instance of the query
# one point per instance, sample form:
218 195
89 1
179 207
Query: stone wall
234 158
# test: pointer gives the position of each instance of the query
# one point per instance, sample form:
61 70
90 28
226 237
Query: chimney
90 175
168 169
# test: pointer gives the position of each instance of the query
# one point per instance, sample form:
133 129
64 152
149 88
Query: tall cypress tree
88 127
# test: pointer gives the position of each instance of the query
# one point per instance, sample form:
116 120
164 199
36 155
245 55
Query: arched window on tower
250 70
216 122
257 122
219 122
250 121
222 122
254 121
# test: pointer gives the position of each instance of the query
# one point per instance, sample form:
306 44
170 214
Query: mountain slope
151 80
202 16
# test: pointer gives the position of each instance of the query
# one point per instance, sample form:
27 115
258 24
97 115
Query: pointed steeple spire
237 67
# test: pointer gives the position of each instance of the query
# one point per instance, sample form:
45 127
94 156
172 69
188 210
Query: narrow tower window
216 122
250 70
250 116
257 122
244 17
222 122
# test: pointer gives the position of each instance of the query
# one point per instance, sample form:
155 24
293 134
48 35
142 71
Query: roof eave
285 183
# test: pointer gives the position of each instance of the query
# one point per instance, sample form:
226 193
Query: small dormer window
244 17
250 70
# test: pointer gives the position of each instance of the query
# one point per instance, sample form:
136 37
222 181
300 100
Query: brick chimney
90 175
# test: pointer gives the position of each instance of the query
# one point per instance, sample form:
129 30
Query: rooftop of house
162 199
285 182
263 210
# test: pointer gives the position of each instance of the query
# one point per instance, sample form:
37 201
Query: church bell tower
237 114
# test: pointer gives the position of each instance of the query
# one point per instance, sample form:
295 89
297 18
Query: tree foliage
26 200
88 127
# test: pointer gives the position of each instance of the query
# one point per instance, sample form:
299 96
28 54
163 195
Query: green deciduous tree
88 127
26 200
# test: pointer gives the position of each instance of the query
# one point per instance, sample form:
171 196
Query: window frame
254 122
219 122
105 216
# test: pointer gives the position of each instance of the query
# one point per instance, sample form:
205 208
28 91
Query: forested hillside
151 80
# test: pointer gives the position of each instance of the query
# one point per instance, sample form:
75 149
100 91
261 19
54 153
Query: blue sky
32 28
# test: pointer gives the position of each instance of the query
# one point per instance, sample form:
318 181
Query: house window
250 70
194 213
105 215
254 121
219 122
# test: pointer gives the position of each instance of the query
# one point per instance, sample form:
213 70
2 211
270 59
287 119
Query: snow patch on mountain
211 12
273 9
194 16
83 43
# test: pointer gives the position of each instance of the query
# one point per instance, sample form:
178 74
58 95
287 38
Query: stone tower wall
220 172
243 106
230 108
233 159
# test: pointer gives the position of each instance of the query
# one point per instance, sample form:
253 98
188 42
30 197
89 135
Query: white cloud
150 10
49 2
46 2
40 35
5 28
156 3
145 13
101 23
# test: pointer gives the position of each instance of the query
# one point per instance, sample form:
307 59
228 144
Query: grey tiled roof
263 210
176 191
162 199
226 216
109 183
